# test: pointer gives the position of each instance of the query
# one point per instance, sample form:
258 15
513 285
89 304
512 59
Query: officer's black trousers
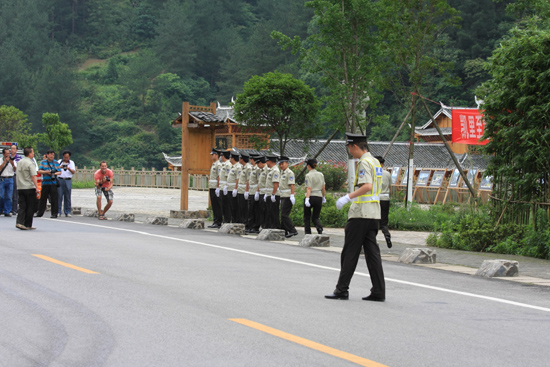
216 207
243 209
286 223
316 203
361 233
235 217
274 212
226 207
263 212
384 213
253 221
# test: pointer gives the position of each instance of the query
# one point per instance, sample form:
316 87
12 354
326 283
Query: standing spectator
213 190
27 185
65 183
49 169
315 197
363 222
286 190
385 202
103 186
16 157
7 172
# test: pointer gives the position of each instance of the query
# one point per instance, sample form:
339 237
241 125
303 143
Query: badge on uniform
378 171
362 173
306 181
275 176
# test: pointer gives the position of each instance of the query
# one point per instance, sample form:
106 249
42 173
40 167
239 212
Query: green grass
83 185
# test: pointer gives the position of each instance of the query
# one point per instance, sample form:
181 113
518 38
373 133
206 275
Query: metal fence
144 178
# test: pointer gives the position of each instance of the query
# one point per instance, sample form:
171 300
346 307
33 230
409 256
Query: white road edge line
467 294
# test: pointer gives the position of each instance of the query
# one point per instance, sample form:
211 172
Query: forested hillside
117 71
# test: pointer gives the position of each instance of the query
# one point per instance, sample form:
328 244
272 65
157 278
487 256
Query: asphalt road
163 296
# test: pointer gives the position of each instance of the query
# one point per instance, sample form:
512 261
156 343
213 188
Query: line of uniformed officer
214 191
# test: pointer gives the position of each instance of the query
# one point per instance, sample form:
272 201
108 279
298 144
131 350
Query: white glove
342 201
265 198
234 193
225 190
246 195
257 196
324 200
307 203
292 199
218 192
273 198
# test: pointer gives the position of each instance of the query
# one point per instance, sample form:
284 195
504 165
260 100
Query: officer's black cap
262 159
255 157
272 158
311 161
282 159
355 138
235 156
245 157
214 151
226 154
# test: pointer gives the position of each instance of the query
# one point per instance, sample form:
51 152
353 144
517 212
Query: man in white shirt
7 171
65 183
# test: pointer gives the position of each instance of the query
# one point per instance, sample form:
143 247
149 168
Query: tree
141 71
345 49
280 102
15 126
57 135
517 101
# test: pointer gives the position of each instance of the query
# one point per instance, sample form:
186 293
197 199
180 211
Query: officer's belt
242 185
213 181
223 183
317 192
284 190
384 197
252 187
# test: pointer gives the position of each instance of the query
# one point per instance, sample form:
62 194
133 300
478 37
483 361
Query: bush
330 216
336 174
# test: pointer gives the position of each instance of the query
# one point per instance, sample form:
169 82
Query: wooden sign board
423 178
455 178
437 179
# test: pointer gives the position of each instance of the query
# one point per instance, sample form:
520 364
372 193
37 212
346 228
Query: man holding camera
103 185
49 169
7 171
65 183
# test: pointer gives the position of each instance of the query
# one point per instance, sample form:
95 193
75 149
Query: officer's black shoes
338 295
53 216
214 225
373 298
288 235
319 231
254 231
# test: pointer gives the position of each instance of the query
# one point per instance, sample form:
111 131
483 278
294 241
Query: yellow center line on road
47 258
310 344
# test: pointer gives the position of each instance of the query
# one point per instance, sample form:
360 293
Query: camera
107 178
12 158
64 165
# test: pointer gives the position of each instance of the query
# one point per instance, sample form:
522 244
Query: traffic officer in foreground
385 202
286 189
244 161
233 186
213 189
363 222
225 167
272 197
315 197
261 193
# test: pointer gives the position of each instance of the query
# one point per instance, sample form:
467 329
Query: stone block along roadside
315 240
271 235
158 221
189 214
192 224
498 268
418 256
232 228
125 217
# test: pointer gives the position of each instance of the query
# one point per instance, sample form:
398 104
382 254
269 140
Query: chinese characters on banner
468 126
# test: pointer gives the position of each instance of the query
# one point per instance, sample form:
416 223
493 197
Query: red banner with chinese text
468 127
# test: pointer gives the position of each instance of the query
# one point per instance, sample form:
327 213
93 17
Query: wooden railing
144 178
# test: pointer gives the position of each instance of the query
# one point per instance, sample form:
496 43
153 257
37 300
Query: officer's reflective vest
374 197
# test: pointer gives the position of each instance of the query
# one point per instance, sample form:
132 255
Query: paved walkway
144 202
